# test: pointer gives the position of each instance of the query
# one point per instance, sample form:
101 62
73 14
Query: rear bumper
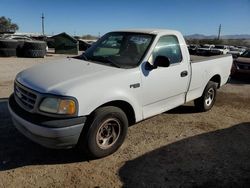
42 132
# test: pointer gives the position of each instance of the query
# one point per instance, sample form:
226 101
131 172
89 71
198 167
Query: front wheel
106 132
207 100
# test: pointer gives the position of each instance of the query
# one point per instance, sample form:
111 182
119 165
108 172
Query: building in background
65 44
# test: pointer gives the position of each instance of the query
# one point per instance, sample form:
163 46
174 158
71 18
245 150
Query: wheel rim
209 97
108 133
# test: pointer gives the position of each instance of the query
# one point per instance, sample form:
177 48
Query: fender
89 105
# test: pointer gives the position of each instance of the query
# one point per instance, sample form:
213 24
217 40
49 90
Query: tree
6 26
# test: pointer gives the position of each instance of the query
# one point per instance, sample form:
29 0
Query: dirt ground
179 148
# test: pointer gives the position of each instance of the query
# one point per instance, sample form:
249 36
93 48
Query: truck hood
53 76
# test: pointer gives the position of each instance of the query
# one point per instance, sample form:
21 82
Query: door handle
184 73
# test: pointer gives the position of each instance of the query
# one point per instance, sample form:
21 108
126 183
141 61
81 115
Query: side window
168 46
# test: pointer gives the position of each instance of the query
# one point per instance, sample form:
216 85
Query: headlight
58 106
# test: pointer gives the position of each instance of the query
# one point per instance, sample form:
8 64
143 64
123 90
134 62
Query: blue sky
91 17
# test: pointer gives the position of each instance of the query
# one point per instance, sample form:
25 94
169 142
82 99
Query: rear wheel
106 132
207 100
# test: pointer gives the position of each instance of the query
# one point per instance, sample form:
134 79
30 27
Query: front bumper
48 132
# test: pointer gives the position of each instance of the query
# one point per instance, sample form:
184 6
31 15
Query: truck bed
204 68
197 59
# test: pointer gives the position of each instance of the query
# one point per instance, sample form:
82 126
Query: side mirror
149 67
161 61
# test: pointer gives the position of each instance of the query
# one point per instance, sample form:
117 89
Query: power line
219 32
43 23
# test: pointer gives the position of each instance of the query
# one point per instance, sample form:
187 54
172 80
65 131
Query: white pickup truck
126 76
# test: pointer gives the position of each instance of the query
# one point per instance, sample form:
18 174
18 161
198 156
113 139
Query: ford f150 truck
126 76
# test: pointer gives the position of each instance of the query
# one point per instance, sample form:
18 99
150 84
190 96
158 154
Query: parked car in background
242 49
236 51
241 65
219 50
204 50
192 48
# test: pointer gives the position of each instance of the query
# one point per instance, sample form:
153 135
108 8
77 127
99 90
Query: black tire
34 45
8 43
34 53
207 100
105 132
7 52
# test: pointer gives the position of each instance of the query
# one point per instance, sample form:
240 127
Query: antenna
219 32
43 23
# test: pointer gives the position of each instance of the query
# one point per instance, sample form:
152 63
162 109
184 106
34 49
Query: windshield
246 54
120 49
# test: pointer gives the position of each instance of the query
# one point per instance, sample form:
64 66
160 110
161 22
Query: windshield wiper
104 60
84 57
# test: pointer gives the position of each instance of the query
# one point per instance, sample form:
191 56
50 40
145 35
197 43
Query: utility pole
219 32
43 23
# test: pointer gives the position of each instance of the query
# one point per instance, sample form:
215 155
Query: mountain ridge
201 36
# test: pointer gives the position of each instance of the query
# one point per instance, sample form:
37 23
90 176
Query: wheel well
216 79
126 107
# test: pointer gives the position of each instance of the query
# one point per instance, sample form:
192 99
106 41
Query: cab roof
150 31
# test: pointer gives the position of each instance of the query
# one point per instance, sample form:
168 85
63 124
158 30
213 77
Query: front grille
244 66
26 97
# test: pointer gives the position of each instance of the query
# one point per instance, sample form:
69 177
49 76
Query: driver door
164 87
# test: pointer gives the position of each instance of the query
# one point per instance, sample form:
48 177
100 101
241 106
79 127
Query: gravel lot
179 148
